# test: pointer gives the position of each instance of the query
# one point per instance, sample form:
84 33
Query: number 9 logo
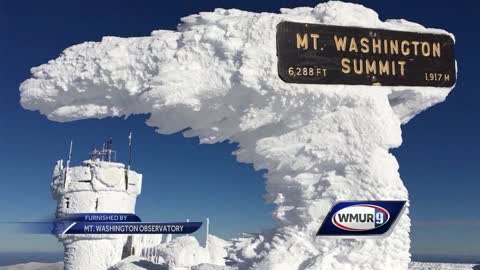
379 218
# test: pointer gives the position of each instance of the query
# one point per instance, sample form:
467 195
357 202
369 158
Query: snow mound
216 78
183 251
206 266
138 263
217 250
442 266
34 266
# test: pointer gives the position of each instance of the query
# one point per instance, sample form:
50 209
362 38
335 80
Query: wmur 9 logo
361 219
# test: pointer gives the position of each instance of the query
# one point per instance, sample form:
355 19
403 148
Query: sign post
326 54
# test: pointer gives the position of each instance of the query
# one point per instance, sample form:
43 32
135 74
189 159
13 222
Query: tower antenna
108 148
129 159
103 153
129 150
93 154
70 154
207 231
65 175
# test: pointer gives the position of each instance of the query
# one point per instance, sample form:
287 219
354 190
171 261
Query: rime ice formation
34 266
216 78
94 187
181 253
442 266
127 264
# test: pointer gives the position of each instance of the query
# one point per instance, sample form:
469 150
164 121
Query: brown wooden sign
326 54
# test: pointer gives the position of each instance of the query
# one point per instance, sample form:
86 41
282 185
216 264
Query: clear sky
438 159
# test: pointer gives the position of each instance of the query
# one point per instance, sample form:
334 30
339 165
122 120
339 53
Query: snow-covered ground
34 266
185 252
442 266
216 77
139 264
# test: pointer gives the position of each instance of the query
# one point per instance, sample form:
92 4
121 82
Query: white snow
442 266
136 263
182 252
216 77
206 266
142 242
34 266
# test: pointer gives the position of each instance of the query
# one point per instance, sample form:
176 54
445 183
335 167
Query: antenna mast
65 175
129 159
129 150
70 154
103 153
108 148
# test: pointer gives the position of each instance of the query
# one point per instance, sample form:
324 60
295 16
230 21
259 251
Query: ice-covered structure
216 77
94 187
99 185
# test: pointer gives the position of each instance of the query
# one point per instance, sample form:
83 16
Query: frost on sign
325 54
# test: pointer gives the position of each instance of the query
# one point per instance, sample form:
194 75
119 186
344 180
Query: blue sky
182 179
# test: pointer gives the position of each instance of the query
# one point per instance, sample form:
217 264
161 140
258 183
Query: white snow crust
34 266
95 186
128 264
186 252
442 266
216 78
180 253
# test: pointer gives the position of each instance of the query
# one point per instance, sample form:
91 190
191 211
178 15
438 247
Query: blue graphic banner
104 223
101 217
132 228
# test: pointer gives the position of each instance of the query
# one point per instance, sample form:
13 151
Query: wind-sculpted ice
216 78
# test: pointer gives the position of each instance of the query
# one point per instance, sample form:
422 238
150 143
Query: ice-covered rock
216 77
184 252
217 250
181 253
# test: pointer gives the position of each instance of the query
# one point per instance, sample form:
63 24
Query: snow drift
216 78
34 266
137 264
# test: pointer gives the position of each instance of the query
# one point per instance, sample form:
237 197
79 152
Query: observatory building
98 185
102 185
